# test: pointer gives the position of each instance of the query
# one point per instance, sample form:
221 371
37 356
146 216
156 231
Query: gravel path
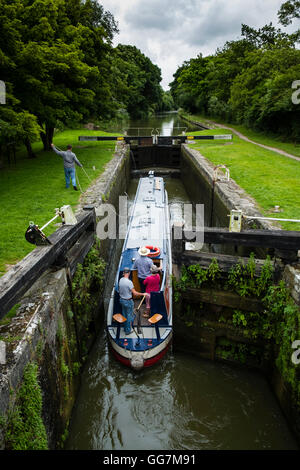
242 136
273 149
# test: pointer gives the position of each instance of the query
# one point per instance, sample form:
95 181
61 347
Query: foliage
239 352
248 81
60 68
195 276
136 81
167 102
214 271
11 314
288 11
25 429
277 324
87 282
243 280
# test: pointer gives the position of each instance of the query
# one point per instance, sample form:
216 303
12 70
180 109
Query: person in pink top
152 284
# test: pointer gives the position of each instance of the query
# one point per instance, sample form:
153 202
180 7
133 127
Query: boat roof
148 225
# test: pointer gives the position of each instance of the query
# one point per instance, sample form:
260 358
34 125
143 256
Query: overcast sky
172 31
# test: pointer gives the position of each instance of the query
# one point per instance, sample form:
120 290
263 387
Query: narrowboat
148 226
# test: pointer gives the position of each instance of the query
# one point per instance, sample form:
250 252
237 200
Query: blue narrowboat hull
149 225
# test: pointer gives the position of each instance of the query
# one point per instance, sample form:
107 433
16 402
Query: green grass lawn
271 179
32 189
260 137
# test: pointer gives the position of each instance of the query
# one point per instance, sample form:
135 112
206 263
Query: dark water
182 403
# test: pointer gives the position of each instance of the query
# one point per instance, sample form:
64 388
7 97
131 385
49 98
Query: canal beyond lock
183 402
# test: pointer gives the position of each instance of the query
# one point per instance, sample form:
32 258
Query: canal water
165 124
181 403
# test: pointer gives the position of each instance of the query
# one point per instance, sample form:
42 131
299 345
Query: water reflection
181 403
165 124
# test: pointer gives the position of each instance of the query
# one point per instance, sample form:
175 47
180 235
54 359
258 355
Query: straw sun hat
143 251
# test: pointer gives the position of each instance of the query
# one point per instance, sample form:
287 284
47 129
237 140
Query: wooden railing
286 243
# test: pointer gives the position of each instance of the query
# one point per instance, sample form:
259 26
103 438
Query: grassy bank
271 179
259 137
32 189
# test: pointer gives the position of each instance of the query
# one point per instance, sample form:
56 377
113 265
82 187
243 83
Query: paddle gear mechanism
36 236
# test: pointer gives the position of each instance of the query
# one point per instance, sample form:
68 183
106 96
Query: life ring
154 251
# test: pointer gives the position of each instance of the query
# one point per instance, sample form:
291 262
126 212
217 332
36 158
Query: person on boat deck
126 291
152 284
143 265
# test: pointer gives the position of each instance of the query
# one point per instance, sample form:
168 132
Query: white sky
172 31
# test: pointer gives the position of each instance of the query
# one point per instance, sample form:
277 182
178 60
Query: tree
136 81
261 93
167 103
59 49
247 81
57 56
66 43
17 125
268 36
288 11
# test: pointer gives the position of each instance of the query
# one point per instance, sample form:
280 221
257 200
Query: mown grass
266 139
32 189
271 179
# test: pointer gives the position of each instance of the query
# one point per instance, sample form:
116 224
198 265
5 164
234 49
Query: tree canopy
249 80
60 68
288 11
137 81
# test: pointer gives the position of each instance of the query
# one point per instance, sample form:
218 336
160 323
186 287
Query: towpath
242 136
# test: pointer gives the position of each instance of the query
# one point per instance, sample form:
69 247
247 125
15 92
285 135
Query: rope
86 174
80 188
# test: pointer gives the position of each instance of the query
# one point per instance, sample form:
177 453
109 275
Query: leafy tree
288 11
167 103
247 81
59 49
261 93
137 81
190 91
268 36
57 58
16 124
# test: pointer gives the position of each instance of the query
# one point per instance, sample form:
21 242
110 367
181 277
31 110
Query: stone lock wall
48 332
204 336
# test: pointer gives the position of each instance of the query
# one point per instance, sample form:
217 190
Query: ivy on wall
25 429
87 287
278 324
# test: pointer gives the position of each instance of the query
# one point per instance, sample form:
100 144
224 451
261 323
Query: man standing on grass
69 159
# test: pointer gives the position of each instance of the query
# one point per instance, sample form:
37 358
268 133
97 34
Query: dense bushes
248 81
60 68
